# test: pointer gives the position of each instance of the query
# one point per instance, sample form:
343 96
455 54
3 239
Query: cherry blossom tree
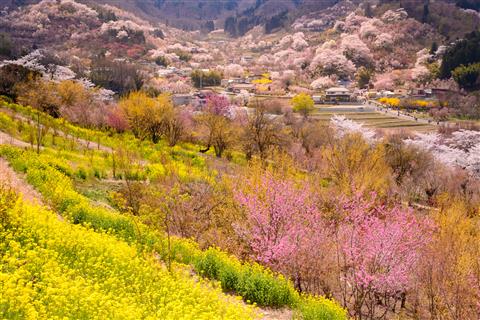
385 81
392 16
332 62
370 28
283 227
344 126
116 119
356 50
459 150
30 61
298 41
323 82
380 248
233 70
384 41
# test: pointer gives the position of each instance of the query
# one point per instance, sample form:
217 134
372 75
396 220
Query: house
338 94
401 92
182 99
227 82
165 72
387 93
237 87
318 99
247 59
253 77
420 92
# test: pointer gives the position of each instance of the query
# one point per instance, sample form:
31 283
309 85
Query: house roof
242 85
338 89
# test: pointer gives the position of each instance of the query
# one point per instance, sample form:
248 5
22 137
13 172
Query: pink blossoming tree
284 229
379 249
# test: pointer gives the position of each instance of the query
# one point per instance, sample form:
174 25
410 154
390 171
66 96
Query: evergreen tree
426 12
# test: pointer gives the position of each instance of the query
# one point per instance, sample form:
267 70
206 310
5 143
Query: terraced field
370 118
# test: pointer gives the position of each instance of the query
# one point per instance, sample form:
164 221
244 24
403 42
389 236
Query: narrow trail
17 183
8 139
276 314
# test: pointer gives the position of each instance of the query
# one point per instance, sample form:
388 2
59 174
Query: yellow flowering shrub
392 102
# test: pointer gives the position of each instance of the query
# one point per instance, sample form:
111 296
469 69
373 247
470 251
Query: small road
399 114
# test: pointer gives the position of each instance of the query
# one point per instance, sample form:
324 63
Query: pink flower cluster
377 246
381 246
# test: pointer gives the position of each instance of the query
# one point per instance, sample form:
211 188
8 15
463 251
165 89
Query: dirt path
277 314
8 139
12 179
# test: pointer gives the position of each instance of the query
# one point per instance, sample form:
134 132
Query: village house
338 94
227 82
182 99
247 59
237 87
400 92
318 99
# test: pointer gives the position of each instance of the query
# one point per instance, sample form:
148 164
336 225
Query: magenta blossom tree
379 248
218 105
283 228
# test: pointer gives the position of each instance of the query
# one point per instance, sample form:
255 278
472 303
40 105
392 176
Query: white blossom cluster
39 17
344 126
30 61
233 70
420 71
320 21
462 149
323 83
122 28
170 56
57 73
52 72
296 41
354 48
332 62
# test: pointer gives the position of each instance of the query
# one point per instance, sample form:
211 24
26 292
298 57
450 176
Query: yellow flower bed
54 270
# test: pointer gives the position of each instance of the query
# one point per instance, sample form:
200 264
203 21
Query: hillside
240 159
131 268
